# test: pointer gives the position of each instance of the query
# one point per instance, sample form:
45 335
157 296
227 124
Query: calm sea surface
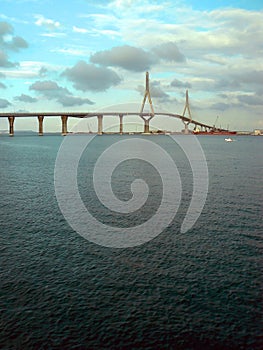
196 290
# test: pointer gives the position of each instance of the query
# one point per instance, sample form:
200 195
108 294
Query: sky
92 55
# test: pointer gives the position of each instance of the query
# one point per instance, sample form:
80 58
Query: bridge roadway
65 115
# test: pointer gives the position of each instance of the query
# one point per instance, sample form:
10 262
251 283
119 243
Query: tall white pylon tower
147 95
187 106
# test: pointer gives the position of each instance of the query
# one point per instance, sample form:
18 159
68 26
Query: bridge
100 115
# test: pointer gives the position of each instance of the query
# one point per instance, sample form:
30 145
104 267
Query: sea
199 289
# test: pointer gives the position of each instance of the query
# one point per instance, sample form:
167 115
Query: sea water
201 289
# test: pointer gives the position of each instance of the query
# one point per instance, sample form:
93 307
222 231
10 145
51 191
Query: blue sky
84 56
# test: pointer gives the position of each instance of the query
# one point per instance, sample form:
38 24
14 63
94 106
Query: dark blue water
197 290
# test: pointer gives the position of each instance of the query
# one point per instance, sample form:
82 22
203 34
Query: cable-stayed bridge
145 116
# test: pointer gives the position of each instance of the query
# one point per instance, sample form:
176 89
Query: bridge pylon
187 108
147 95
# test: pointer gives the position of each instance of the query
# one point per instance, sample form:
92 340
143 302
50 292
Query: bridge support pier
186 130
121 123
40 125
146 124
64 119
11 120
100 128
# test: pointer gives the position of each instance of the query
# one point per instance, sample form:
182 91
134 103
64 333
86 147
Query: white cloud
127 57
47 23
106 32
90 77
53 35
79 30
4 103
135 6
28 69
100 20
72 51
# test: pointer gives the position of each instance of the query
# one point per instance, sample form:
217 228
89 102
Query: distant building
257 132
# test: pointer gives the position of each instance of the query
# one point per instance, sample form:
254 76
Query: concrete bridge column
40 125
11 120
186 130
147 123
121 123
146 126
100 130
64 119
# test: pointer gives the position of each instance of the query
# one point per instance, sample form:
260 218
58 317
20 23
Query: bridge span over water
65 115
146 117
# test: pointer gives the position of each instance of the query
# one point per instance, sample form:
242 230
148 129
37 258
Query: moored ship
214 132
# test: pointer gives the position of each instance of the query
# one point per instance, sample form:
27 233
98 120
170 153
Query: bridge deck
96 114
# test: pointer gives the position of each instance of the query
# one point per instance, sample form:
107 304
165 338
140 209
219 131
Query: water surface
197 290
